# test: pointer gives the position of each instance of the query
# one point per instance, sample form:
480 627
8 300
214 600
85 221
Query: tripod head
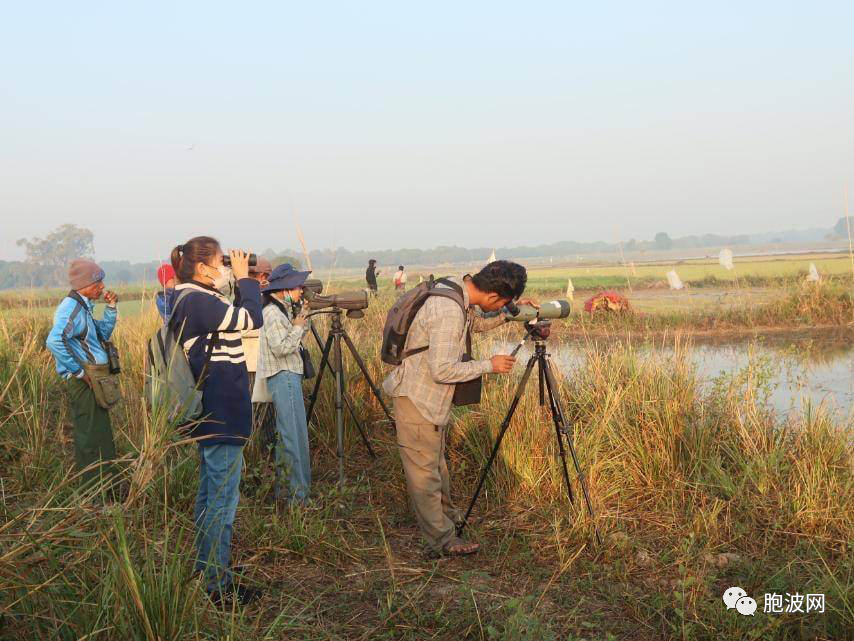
539 331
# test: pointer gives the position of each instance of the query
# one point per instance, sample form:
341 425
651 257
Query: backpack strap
208 354
181 296
81 306
456 295
171 325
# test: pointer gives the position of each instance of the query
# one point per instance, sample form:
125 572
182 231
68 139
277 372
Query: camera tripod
538 332
332 359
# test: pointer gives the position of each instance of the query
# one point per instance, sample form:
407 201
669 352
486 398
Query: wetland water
793 367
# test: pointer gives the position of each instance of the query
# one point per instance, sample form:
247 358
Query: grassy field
764 271
696 488
750 274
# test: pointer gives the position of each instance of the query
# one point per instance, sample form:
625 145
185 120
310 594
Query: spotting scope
528 313
345 300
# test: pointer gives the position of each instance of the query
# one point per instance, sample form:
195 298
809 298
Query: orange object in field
607 302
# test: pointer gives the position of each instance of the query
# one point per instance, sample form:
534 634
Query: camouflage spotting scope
349 301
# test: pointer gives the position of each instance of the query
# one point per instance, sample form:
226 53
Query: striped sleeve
235 319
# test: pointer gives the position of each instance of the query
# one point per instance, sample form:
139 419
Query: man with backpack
77 342
428 337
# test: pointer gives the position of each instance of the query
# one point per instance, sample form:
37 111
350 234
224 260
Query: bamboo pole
304 248
848 226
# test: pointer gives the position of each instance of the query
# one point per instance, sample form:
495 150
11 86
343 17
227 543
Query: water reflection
807 365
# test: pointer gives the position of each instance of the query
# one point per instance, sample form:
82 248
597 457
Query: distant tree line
48 258
343 257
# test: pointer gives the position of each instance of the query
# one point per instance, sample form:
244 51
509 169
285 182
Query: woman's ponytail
185 257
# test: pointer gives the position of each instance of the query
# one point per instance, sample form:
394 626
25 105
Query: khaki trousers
422 452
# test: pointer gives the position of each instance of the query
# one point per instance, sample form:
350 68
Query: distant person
165 298
211 338
423 388
281 366
400 279
76 342
371 274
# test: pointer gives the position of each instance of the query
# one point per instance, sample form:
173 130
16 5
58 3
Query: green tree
284 258
52 254
663 240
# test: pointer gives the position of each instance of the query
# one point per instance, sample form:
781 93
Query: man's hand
239 263
111 297
502 363
528 301
85 378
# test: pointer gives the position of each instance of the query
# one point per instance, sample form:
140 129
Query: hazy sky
392 124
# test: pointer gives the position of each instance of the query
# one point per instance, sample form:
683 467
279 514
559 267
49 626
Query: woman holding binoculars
210 329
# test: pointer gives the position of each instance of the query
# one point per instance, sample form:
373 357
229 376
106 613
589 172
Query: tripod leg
347 399
355 418
357 357
554 393
324 361
339 407
557 419
316 335
504 425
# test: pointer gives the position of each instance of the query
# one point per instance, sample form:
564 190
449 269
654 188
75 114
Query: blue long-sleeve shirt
165 301
74 336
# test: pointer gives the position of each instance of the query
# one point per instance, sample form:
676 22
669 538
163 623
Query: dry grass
680 473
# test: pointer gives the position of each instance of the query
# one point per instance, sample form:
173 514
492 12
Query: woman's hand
239 263
301 318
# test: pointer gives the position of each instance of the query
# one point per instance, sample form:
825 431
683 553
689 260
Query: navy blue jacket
226 402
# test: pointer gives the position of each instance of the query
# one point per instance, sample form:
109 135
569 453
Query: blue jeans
292 457
216 504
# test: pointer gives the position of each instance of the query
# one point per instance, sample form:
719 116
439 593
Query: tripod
332 358
547 385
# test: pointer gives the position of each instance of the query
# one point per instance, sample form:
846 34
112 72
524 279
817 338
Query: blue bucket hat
284 277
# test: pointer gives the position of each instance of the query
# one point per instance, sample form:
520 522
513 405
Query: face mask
221 281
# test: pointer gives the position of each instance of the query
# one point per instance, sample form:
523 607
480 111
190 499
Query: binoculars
547 311
226 260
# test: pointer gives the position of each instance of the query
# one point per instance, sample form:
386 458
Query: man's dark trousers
93 433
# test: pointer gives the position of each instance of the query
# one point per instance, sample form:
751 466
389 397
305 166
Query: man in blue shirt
77 338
